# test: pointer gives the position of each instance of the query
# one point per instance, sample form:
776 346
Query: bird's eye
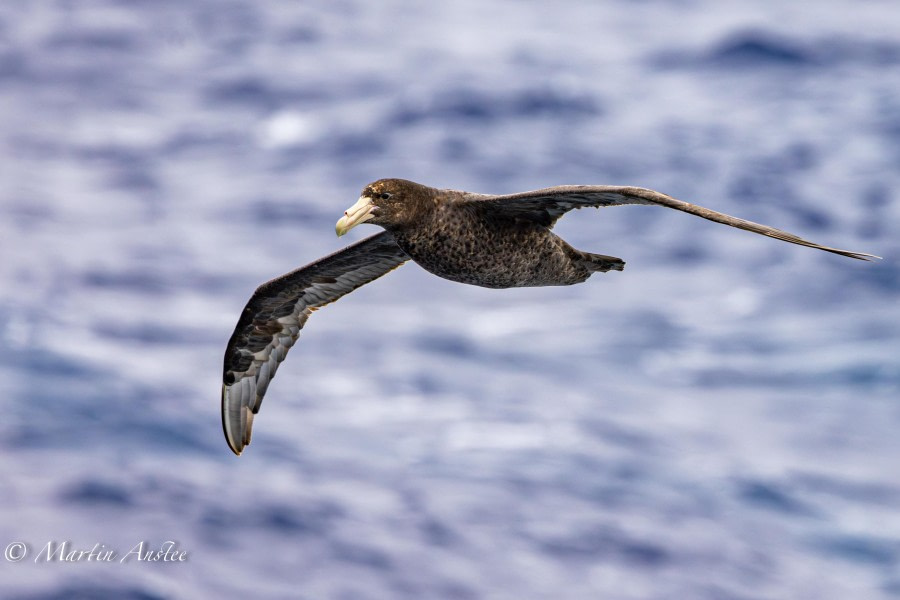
384 195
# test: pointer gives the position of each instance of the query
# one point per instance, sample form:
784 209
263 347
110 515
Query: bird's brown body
463 242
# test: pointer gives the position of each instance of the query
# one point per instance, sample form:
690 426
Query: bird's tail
602 263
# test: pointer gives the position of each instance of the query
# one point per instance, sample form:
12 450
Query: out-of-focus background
720 421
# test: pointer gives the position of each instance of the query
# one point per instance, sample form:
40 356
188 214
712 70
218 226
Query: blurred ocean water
720 421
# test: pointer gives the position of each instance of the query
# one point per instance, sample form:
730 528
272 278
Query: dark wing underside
547 205
274 316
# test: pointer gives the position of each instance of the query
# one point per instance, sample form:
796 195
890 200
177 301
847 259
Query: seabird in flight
490 241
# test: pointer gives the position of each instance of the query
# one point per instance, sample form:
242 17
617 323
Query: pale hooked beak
356 214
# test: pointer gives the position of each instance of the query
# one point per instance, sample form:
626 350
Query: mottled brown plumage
461 238
490 241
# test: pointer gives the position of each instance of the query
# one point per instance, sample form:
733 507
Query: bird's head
386 202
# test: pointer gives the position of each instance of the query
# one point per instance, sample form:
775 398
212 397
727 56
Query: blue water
720 421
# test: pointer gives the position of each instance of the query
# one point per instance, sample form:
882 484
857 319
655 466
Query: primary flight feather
489 241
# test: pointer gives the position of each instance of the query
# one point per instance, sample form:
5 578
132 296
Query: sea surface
721 421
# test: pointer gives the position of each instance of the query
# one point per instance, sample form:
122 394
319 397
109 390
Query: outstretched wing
547 205
276 313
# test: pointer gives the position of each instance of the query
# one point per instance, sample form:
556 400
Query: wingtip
235 443
236 447
858 255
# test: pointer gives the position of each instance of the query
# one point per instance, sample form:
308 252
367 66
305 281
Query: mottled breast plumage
459 243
